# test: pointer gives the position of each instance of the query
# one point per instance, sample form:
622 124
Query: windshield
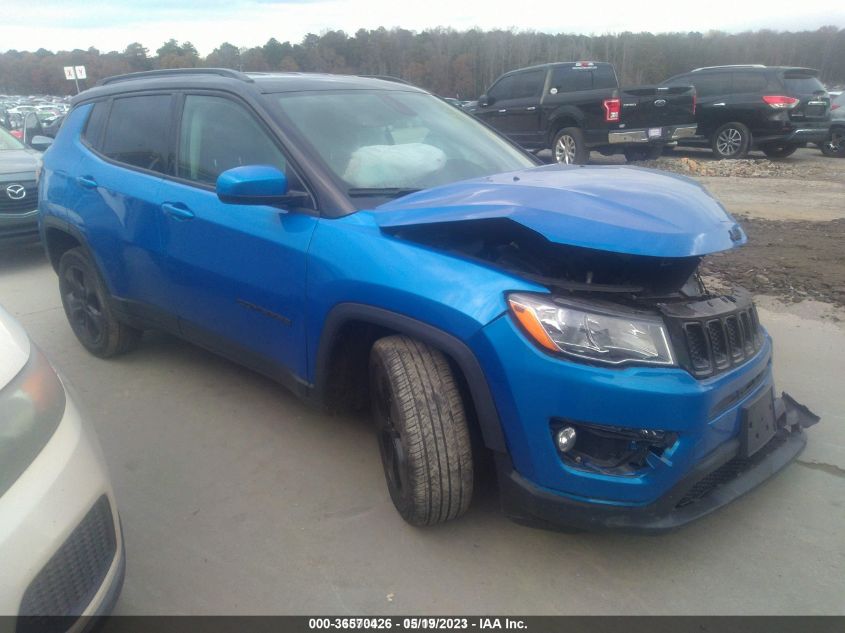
7 141
388 143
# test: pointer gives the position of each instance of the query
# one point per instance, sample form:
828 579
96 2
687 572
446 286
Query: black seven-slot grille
70 579
13 200
714 335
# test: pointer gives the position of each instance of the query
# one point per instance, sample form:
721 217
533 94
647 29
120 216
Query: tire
422 428
569 147
780 151
86 304
834 144
651 152
732 140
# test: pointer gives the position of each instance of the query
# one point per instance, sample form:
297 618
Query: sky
112 24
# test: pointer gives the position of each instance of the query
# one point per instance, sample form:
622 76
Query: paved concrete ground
237 498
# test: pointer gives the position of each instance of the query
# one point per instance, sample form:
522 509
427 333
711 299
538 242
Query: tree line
445 61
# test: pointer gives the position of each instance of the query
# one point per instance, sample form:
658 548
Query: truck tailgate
652 106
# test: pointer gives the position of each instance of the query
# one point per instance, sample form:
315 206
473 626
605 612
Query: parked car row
573 108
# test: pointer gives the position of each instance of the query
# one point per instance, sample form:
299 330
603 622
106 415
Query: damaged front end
617 252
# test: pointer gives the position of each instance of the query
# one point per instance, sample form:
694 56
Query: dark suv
573 107
772 108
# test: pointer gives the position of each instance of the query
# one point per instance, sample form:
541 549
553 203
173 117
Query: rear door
236 272
118 185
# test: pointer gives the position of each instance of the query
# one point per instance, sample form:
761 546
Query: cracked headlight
592 334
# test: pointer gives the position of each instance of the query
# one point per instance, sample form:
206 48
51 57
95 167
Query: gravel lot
237 498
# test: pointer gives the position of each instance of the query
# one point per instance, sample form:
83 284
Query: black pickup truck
573 107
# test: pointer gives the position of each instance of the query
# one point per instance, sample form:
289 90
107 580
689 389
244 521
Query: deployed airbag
393 165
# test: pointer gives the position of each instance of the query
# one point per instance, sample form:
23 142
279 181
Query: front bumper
60 509
719 479
19 227
667 135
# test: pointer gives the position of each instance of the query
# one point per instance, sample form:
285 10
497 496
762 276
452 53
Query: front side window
217 134
381 139
138 132
503 89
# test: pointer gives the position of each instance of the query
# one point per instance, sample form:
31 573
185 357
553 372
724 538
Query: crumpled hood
612 208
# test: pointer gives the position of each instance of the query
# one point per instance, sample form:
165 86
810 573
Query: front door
236 272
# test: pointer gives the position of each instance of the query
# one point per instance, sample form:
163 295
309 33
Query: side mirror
40 143
252 184
485 100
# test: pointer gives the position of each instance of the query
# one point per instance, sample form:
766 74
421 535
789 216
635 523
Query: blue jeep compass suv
367 244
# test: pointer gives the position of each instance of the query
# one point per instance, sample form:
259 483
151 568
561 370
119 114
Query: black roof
264 83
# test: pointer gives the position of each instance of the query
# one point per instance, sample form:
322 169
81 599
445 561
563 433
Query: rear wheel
570 148
732 140
422 430
86 305
780 151
834 145
650 152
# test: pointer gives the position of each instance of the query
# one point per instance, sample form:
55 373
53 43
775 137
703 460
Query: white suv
60 538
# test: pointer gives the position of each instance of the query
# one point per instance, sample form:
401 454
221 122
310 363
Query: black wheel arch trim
457 350
52 222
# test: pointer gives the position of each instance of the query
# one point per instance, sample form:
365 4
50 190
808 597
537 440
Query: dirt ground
793 211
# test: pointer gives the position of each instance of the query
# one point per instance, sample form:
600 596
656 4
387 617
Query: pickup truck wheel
732 140
780 151
569 147
422 430
86 305
652 152
834 144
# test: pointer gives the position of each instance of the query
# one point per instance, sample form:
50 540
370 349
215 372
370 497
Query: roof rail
729 66
170 72
396 80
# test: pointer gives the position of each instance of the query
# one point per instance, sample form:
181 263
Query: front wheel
834 145
570 148
780 151
422 431
732 140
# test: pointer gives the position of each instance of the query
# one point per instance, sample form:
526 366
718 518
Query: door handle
87 181
531 108
177 210
503 110
719 104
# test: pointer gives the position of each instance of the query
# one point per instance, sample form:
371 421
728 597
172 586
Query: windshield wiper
381 192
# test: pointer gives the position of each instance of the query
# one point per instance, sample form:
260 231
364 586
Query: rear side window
802 84
93 132
138 131
744 82
218 134
529 84
571 79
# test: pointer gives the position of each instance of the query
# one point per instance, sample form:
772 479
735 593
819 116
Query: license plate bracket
758 423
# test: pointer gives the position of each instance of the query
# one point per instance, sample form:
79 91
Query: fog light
565 439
